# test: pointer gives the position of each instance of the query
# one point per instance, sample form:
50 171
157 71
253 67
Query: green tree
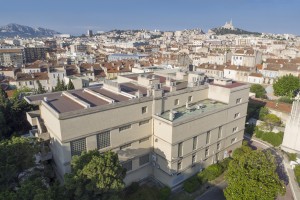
71 85
253 176
271 120
259 90
95 176
263 111
60 85
16 155
40 89
286 86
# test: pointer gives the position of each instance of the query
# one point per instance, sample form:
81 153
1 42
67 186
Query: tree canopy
16 155
95 175
252 175
286 86
259 90
13 113
40 89
71 85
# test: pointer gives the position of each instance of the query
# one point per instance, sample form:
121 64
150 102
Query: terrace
191 110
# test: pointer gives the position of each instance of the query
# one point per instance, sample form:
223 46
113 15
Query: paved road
216 193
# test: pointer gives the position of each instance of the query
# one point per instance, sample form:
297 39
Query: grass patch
273 138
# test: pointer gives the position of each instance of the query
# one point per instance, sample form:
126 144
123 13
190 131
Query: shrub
191 185
292 156
285 100
225 163
262 113
273 138
210 173
297 173
258 133
134 186
164 193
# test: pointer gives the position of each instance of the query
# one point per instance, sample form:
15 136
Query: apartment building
168 125
246 57
33 54
11 56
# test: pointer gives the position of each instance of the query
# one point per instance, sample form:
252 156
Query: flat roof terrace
193 109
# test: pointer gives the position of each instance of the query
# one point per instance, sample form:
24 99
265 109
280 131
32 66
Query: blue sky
75 17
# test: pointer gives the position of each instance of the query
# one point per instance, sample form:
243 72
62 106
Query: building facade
167 127
291 138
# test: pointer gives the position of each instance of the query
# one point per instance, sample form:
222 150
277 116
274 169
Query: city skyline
271 16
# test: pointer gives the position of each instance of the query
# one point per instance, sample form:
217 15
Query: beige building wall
135 135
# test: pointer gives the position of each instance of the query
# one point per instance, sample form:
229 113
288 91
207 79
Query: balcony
32 117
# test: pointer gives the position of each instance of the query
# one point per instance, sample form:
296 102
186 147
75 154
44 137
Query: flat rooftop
193 109
74 100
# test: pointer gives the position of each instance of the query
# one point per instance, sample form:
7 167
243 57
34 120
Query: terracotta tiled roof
256 75
238 68
33 76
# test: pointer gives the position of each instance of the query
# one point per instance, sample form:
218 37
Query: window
234 129
236 115
144 159
144 109
53 75
127 165
179 166
124 127
194 143
218 146
193 159
207 137
206 152
217 156
144 122
239 100
103 140
220 132
144 140
180 149
125 146
233 140
78 146
190 98
176 102
30 82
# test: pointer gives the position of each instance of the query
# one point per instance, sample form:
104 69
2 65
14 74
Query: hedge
273 138
191 185
210 173
164 193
